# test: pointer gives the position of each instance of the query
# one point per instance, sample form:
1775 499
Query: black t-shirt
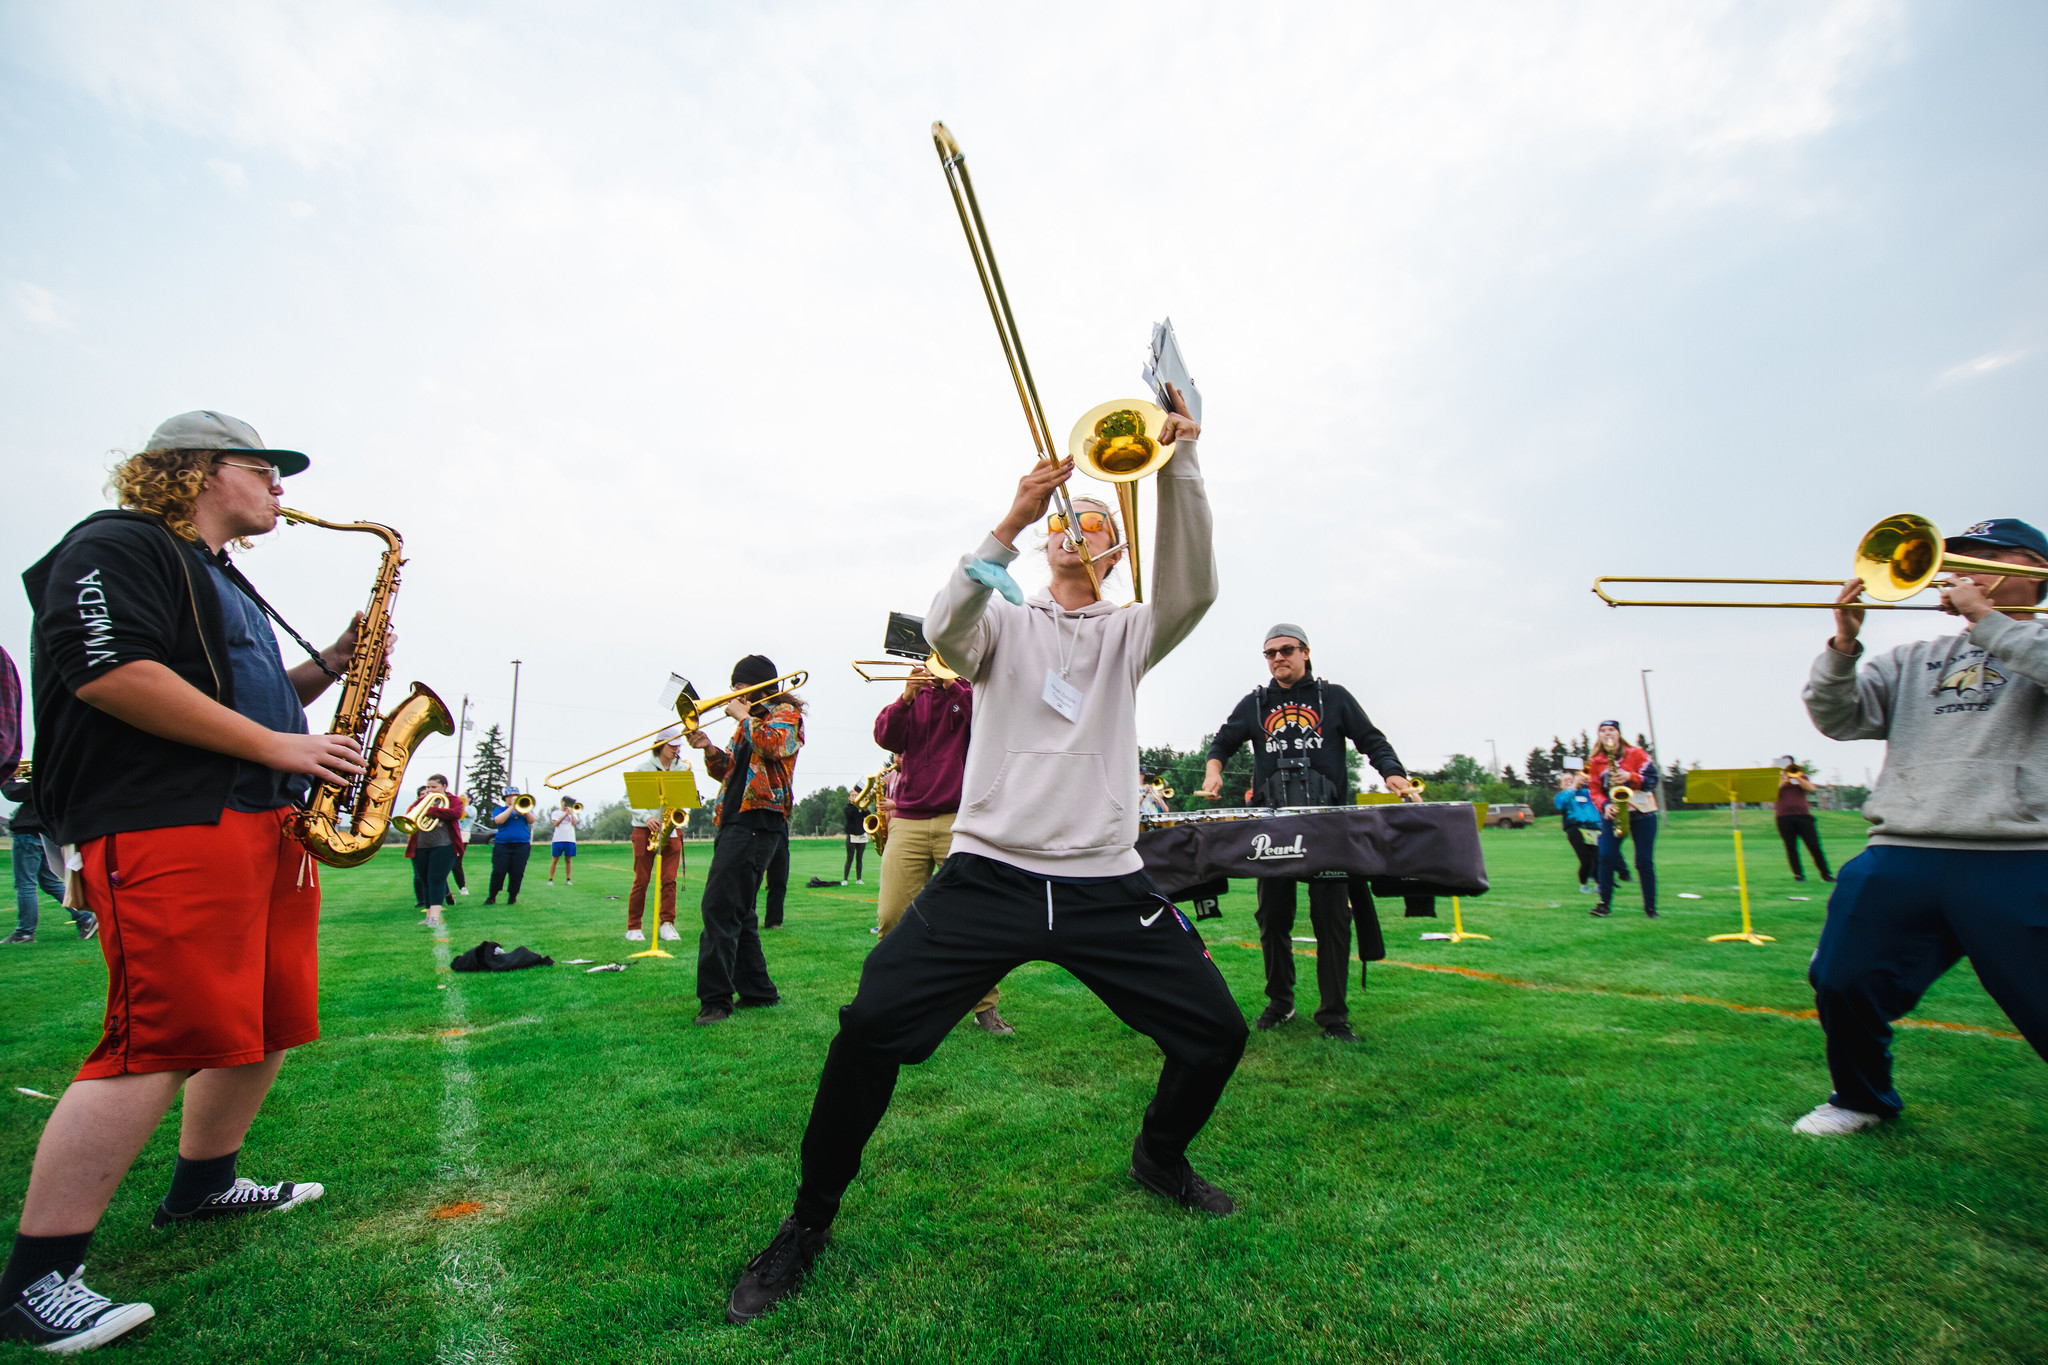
1308 724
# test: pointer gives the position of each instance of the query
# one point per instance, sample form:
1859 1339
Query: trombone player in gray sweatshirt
1958 855
1043 865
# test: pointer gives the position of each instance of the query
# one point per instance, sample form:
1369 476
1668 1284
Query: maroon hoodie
931 734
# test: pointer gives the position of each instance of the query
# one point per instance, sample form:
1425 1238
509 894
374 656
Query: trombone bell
1118 442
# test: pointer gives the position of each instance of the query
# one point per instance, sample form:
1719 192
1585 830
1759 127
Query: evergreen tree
487 772
1582 747
820 813
1542 768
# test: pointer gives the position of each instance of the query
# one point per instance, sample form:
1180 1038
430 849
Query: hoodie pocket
1054 802
1962 798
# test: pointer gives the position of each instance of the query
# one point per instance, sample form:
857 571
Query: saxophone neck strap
234 575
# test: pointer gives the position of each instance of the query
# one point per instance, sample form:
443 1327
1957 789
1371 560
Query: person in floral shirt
757 770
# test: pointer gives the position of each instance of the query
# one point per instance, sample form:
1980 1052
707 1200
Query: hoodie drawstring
1048 907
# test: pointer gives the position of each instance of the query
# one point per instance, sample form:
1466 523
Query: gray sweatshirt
1965 718
1054 796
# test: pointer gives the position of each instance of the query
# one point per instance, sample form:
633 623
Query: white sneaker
464 890
1585 888
669 934
635 936
1833 1121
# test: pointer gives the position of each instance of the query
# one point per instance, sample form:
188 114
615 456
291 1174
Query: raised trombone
903 670
1116 442
1898 558
693 711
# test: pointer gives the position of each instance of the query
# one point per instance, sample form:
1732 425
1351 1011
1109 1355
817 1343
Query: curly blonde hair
165 483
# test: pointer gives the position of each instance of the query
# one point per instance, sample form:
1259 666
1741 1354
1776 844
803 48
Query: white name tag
1062 696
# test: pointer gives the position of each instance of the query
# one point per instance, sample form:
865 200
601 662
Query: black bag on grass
490 957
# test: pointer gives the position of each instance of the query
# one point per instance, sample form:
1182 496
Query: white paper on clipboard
1165 365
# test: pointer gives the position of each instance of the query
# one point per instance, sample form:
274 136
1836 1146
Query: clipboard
1164 364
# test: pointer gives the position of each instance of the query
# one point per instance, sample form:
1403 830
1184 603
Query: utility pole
1651 716
461 733
1494 749
512 740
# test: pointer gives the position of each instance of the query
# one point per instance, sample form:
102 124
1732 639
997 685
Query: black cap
2006 533
755 668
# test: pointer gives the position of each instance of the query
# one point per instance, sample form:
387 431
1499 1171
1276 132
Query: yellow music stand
1705 787
674 792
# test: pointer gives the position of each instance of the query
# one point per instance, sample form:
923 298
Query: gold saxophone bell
1896 559
343 823
1620 806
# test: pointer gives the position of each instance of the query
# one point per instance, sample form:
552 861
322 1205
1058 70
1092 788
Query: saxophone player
171 749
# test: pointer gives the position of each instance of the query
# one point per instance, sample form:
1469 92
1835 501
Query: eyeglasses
276 474
1056 524
1284 652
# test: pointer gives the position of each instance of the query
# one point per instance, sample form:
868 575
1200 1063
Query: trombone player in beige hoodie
1043 865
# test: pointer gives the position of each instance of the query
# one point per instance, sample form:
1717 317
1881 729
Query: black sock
35 1257
192 1181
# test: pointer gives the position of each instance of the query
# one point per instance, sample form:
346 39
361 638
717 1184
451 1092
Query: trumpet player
758 770
434 848
928 727
1956 859
1616 766
562 840
171 747
662 757
511 845
1796 824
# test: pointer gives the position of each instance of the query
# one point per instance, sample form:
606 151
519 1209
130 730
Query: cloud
38 305
1987 363
229 173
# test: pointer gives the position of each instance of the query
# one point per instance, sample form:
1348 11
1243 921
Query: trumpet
571 803
903 670
520 802
422 815
1117 442
1896 559
692 711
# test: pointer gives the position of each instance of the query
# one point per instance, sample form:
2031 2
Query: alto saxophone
344 824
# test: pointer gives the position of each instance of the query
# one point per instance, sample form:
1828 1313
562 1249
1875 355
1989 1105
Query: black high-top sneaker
1179 1183
60 1315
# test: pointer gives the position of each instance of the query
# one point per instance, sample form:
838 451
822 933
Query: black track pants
1589 857
778 884
729 957
1329 914
1795 829
976 921
508 861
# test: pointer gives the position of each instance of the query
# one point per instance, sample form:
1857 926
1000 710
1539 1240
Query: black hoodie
118 588
1311 719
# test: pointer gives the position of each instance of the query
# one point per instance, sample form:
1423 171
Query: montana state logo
1971 680
1296 714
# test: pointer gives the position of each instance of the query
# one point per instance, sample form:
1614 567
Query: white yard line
471 1286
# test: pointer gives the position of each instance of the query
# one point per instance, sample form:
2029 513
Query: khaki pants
914 850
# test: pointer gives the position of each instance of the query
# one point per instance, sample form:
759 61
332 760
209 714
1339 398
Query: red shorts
211 935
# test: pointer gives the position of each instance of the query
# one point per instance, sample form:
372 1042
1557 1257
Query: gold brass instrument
21 771
901 670
876 821
344 823
1116 442
521 803
692 712
1897 558
1620 805
571 803
422 815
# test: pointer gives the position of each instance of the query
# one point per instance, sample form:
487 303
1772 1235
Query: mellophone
1434 844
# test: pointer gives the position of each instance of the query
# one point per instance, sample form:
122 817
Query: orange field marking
460 1209
1811 1016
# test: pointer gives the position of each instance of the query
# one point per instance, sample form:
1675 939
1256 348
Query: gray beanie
1290 630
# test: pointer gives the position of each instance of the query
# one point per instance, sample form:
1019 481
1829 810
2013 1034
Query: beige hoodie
1050 795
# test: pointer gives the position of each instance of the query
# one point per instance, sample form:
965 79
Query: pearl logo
1264 850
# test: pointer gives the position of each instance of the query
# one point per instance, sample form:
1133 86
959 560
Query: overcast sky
652 329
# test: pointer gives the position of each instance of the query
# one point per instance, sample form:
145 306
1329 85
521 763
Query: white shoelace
68 1305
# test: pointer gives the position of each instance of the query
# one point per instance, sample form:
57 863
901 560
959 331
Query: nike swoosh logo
1146 920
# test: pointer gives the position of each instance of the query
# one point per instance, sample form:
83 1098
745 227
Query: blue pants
1642 832
1899 918
31 870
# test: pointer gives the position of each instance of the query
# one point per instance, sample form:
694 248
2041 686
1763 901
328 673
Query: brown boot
990 1022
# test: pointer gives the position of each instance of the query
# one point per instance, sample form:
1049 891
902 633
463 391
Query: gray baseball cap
1289 630
204 430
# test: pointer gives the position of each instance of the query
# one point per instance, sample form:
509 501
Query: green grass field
1499 1171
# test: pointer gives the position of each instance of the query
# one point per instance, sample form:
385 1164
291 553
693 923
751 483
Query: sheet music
1165 365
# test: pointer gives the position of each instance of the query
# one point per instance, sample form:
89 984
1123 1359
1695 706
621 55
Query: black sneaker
775 1274
20 936
767 1004
60 1315
1626 875
89 927
1272 1017
1341 1032
1798 876
244 1196
1651 914
1600 911
714 1014
1182 1186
